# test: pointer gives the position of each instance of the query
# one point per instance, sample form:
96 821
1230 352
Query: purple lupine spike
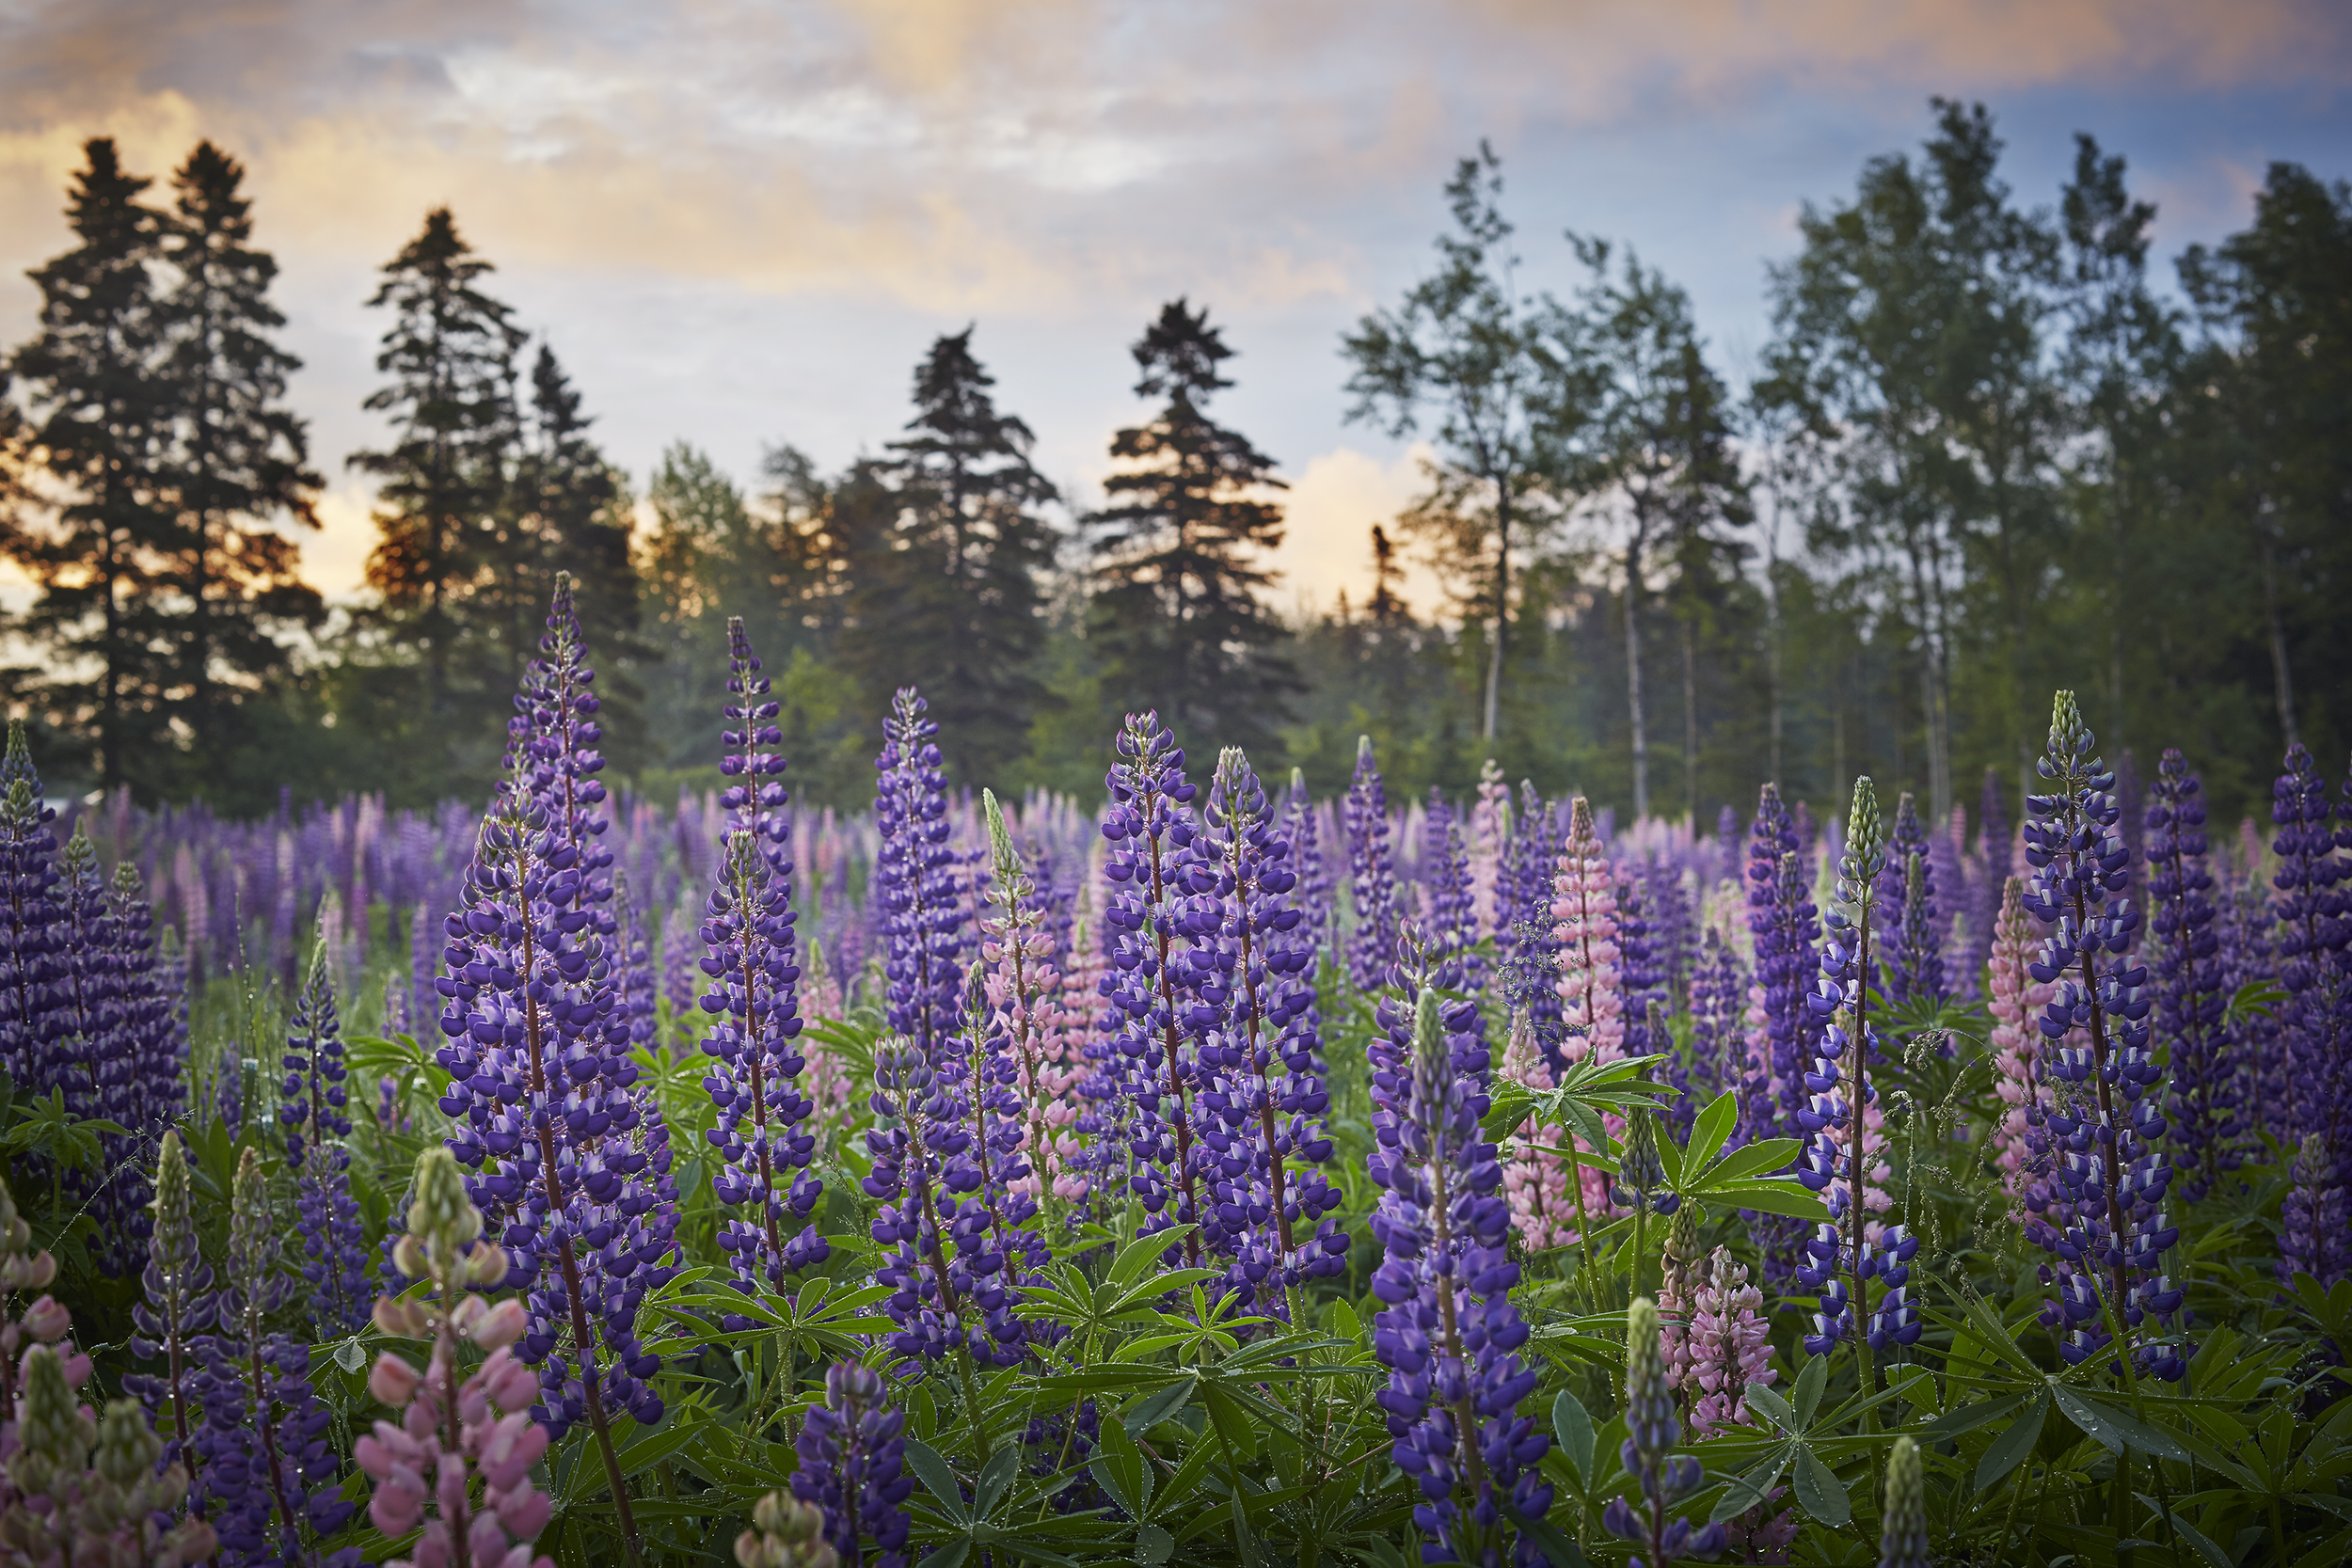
678 946
853 1467
1719 999
2313 1227
997 1249
1262 1102
178 1308
150 1031
2099 1210
754 1080
2313 948
1663 1476
1151 908
86 1051
1372 949
1452 928
919 1146
916 887
1995 867
1906 893
267 1481
2207 1096
1448 1333
312 1108
756 802
1673 934
1318 878
1639 970
1842 1121
633 999
571 1163
1531 964
1390 1049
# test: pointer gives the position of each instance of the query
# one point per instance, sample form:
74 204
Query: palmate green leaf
1769 1405
938 1481
1818 1492
2202 1544
1152 1409
1748 1490
1745 1162
1572 1428
1788 1199
1137 1255
2111 1429
2009 1449
1712 1127
1811 1380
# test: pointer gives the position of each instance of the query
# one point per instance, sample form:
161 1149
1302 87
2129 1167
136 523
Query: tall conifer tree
89 528
1176 612
450 351
944 593
236 463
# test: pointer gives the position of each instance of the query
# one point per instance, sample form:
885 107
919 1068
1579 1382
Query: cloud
1329 510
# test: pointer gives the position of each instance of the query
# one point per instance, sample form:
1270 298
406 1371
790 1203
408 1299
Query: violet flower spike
1663 1476
852 1451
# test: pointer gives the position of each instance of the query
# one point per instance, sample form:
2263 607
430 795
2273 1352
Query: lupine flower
2313 1229
1448 1333
1719 995
914 889
635 1003
179 1305
1906 892
153 1033
1841 1118
1663 1476
83 1050
75 1490
997 1248
2099 1213
1782 922
1372 949
1640 1183
312 1108
571 1160
1592 994
1453 927
1728 1346
1535 1179
1025 1001
2016 1000
785 1533
454 1430
1674 937
1262 1102
2315 958
1318 879
1152 905
1490 832
1994 866
1904 1529
852 1467
1530 951
1641 974
42 1321
30 912
2207 1097
268 1476
678 989
753 1078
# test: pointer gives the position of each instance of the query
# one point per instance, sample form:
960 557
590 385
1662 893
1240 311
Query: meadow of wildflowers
1199 1174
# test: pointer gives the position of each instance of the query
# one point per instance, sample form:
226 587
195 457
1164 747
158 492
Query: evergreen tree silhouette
1176 614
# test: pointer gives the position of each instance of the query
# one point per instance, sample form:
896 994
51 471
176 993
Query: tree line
1984 451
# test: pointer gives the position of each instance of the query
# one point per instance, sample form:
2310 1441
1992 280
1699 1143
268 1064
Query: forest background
1993 445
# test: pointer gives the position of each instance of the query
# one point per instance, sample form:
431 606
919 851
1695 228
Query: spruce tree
450 351
236 464
1176 614
89 526
944 593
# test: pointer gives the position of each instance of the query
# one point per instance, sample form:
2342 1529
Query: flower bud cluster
853 1454
2208 1088
1664 1477
1371 948
921 907
2313 950
314 1108
79 1489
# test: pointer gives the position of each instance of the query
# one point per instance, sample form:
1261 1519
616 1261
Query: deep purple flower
2315 958
2098 1211
1447 1332
1530 967
314 1107
633 999
920 898
1371 947
852 1452
178 1309
1782 920
2315 1237
570 1158
1452 927
1159 902
1664 1477
1907 902
1262 1102
1719 1049
30 912
1639 966
2207 1094
1317 893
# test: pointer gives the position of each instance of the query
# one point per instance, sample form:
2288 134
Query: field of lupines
1216 1177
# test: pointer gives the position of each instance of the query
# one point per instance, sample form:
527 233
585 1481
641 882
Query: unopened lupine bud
1903 1536
785 1533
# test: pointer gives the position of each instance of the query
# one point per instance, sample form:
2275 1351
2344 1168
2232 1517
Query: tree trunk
1633 672
2281 676
1503 609
1690 726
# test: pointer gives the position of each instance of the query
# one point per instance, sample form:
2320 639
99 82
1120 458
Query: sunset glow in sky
741 224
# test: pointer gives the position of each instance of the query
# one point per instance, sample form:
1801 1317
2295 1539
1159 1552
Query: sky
743 224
